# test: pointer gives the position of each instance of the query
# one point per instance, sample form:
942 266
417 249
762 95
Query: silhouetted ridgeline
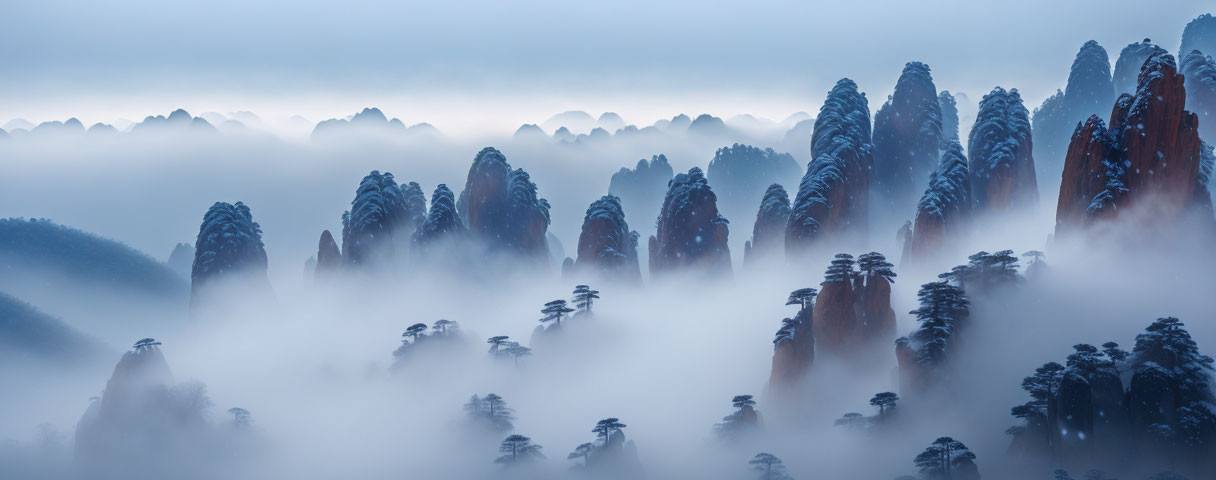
40 248
768 233
29 337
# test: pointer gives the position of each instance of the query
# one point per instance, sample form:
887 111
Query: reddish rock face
329 258
1084 174
793 356
1147 162
606 246
837 327
874 308
943 209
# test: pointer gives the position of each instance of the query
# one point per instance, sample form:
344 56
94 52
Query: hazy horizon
486 68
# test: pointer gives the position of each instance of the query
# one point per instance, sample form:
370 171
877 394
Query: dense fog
149 328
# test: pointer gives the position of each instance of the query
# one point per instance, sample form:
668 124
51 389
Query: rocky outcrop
832 204
907 136
1075 407
442 222
691 233
1199 34
768 233
143 425
1149 161
793 349
1085 173
853 311
376 223
1089 91
641 189
181 259
329 257
740 174
943 211
229 246
1131 59
606 246
501 209
949 108
999 150
1199 71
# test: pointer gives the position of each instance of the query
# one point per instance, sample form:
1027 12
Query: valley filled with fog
871 285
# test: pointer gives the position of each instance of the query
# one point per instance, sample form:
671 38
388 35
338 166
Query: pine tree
769 466
496 343
584 296
554 311
415 331
803 297
884 401
518 449
441 326
582 451
515 350
947 458
240 417
875 264
840 270
605 428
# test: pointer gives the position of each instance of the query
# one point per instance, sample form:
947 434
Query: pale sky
462 64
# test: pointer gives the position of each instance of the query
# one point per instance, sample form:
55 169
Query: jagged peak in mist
1151 150
907 137
833 195
1127 67
606 245
229 245
741 173
768 232
501 208
949 106
1090 90
999 151
1199 34
529 131
943 209
1199 72
690 231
